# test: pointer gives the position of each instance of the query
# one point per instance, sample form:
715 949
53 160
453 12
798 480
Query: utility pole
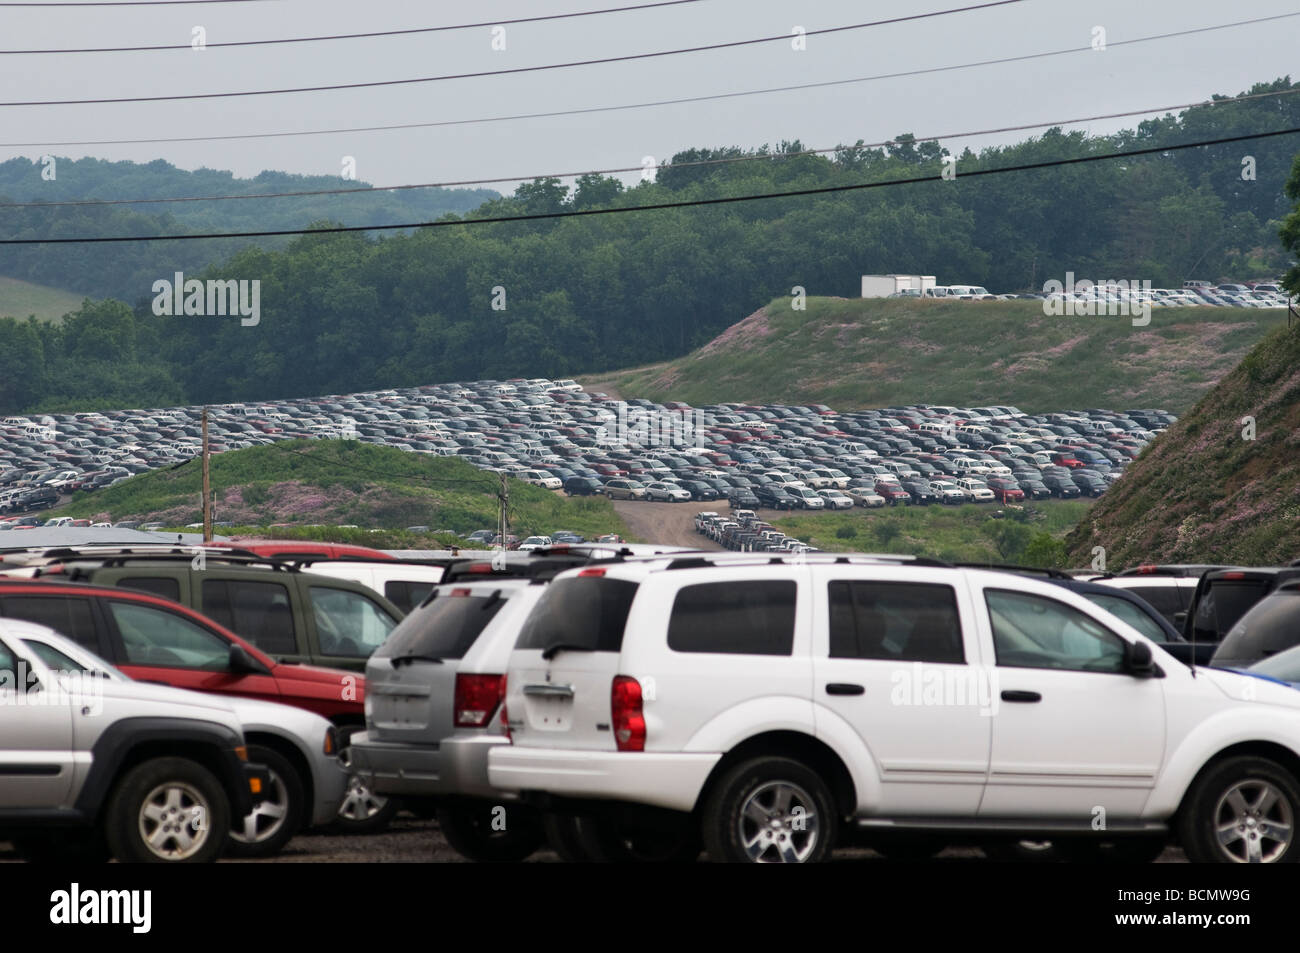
207 483
503 504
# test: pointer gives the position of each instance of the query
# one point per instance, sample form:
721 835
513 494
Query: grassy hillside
1204 493
1029 535
19 299
852 353
343 482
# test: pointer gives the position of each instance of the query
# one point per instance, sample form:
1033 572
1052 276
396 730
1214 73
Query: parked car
764 716
298 749
620 488
153 639
86 794
1268 628
583 486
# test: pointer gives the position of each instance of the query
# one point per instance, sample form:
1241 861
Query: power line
626 58
552 114
658 206
726 160
347 36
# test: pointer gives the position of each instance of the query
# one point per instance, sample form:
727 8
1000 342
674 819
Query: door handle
844 688
1021 697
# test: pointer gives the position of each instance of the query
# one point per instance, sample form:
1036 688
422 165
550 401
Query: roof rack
705 560
1010 567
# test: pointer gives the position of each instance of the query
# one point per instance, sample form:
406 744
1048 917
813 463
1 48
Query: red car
893 493
156 640
1067 460
1008 491
304 547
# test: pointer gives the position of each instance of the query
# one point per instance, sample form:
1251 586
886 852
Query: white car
535 542
836 500
763 705
978 490
806 497
541 478
949 492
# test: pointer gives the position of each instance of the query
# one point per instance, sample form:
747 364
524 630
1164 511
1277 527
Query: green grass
344 482
1203 491
21 299
854 353
968 533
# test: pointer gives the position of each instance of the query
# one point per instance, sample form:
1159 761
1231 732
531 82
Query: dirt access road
669 524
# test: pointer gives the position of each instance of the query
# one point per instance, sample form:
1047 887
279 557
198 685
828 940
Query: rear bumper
672 781
458 766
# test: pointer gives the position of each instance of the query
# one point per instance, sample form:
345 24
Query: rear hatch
563 668
411 680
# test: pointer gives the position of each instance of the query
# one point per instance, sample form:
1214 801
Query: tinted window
445 628
407 595
257 611
588 611
1272 626
348 623
1036 632
913 622
1222 603
152 636
159 586
1167 600
67 615
1128 612
735 618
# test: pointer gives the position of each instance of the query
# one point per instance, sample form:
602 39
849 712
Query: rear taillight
629 720
477 697
505 716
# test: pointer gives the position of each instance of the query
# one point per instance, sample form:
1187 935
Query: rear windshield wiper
397 660
556 648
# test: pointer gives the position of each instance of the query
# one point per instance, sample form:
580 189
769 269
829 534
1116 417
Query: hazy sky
1158 73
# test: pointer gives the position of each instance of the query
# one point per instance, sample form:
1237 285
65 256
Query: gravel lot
412 840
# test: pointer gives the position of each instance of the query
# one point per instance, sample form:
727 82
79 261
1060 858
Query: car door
36 761
897 660
1075 736
157 644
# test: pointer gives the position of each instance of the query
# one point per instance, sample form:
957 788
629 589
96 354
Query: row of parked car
1258 294
644 706
553 434
633 702
148 634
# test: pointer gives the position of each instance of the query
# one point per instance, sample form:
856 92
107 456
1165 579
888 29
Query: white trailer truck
882 286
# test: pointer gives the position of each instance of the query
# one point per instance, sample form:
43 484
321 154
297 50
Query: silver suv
95 767
434 691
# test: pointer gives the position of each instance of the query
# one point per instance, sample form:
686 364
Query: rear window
407 595
69 616
734 618
1272 626
1222 603
586 611
1167 600
445 628
158 585
914 622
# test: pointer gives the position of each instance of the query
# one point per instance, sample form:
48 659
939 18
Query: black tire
1209 803
762 781
274 822
612 840
472 831
564 836
196 810
64 847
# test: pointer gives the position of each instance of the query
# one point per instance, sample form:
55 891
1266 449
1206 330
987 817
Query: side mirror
241 663
1138 660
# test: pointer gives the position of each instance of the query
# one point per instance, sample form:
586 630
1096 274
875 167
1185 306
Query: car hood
1247 686
318 675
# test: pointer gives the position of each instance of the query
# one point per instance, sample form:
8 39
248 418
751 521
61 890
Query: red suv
153 639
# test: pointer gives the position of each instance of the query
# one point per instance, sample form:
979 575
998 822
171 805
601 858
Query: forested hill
120 270
561 296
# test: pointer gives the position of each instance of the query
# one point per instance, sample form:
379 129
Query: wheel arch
816 754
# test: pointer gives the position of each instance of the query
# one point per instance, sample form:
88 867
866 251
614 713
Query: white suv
775 705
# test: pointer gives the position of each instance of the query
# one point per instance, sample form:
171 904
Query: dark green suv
290 615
